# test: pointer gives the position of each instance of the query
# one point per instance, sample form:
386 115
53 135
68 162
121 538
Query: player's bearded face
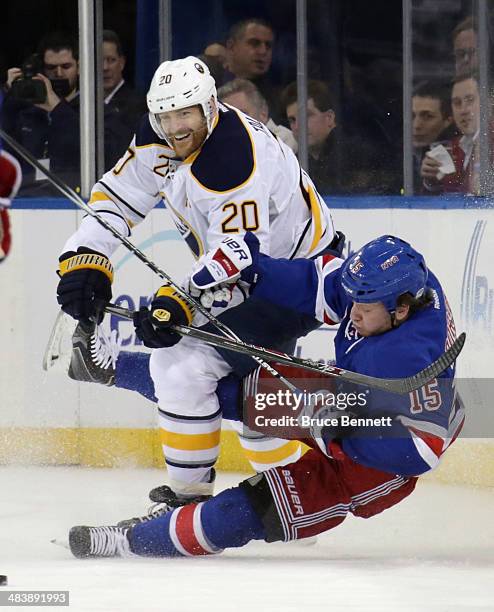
186 129
370 319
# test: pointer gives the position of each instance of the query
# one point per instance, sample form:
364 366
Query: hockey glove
327 425
234 259
5 238
10 178
153 325
85 284
217 297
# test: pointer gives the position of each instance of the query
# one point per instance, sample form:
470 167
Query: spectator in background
465 104
215 58
338 164
372 112
250 48
465 46
218 51
218 72
431 122
123 106
245 96
249 55
49 130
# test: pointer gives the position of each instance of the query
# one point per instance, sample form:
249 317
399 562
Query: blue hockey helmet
382 270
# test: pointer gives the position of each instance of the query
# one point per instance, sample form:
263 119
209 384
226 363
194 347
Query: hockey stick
79 202
393 385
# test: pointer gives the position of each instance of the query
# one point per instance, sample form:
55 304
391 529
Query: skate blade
54 356
301 543
62 543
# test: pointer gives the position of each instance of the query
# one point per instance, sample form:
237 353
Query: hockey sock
132 373
229 392
227 520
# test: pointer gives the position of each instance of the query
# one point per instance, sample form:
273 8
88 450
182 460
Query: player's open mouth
180 138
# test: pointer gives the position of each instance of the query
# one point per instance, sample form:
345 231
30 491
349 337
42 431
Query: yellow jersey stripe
99 196
316 215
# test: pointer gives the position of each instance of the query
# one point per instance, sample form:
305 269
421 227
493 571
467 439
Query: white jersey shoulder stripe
326 264
425 451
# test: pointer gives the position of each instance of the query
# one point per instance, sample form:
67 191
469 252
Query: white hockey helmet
179 84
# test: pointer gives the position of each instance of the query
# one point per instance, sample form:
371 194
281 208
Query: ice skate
165 499
108 541
94 354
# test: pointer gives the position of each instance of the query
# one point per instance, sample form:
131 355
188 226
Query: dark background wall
355 28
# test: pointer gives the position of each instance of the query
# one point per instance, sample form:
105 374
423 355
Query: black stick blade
436 367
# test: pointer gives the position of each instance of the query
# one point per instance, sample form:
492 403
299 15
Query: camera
33 90
26 87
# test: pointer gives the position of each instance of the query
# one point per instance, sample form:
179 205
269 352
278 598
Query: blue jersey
424 422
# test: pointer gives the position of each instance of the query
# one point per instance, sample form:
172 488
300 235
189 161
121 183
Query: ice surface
434 552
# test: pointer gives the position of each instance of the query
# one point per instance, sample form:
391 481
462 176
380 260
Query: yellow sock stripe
190 442
87 260
167 291
273 456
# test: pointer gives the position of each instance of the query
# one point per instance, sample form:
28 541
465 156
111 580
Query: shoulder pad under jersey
227 159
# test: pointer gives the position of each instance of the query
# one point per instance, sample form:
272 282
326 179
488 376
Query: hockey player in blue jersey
394 320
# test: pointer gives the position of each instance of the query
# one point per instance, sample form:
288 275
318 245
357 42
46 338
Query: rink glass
370 69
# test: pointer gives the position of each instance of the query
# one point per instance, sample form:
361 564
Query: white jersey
242 179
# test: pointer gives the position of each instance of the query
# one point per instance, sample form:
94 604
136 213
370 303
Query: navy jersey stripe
181 417
111 212
110 190
226 160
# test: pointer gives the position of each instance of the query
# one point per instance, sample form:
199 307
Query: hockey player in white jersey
220 173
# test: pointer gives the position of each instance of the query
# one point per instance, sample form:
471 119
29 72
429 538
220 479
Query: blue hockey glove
85 284
153 325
